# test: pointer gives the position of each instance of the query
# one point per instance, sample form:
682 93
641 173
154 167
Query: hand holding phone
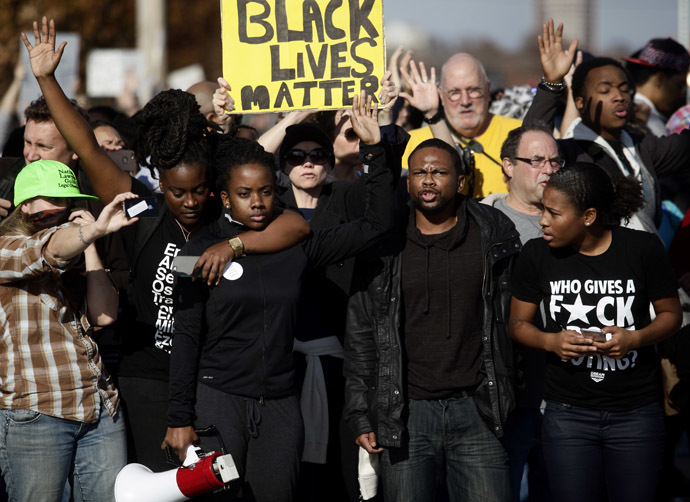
141 207
594 334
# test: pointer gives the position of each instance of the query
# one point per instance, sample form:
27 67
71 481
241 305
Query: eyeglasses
298 157
472 93
540 162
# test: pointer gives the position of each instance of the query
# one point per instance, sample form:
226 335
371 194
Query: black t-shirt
611 289
147 342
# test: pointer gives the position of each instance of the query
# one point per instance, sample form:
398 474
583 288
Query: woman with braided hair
176 140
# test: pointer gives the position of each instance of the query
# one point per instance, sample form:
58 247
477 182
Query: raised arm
555 64
106 178
70 241
334 244
424 96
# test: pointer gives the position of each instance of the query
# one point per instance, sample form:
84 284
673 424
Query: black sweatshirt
237 337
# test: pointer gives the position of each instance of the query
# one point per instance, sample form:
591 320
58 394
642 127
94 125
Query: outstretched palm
363 119
555 62
43 57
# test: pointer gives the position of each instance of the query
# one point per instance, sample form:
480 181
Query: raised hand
223 104
43 57
423 88
363 118
555 62
112 217
387 97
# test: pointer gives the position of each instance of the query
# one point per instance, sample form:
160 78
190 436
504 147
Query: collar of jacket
500 239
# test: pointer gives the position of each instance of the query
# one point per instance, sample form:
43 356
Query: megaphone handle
211 430
171 457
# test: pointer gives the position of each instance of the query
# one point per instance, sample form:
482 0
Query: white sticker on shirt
233 271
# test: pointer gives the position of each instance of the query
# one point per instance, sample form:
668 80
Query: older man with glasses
464 92
529 156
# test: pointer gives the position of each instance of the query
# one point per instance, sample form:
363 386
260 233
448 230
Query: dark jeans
591 454
446 437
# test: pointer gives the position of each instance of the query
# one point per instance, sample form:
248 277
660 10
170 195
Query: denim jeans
591 454
40 453
446 437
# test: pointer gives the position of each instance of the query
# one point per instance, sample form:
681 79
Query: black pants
145 405
265 441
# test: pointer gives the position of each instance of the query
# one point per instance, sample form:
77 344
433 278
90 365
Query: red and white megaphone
200 474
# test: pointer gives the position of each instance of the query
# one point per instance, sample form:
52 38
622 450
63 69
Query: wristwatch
237 247
435 118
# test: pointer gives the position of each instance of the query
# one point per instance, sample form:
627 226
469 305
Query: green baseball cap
47 178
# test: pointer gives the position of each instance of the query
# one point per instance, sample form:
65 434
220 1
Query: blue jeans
446 437
39 453
591 454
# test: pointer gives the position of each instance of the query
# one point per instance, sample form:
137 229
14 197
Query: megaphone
201 473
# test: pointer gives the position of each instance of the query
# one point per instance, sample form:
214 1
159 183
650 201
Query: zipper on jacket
263 340
486 261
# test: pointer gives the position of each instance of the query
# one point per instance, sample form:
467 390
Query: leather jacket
374 392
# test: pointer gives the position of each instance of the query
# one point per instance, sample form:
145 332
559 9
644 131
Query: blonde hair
17 223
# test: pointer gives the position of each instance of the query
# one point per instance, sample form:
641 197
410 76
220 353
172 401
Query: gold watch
237 247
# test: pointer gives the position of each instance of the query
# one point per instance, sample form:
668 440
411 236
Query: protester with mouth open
603 427
603 94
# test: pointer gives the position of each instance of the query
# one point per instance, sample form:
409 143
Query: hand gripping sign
281 55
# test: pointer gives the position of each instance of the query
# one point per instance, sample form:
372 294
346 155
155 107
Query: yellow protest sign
301 54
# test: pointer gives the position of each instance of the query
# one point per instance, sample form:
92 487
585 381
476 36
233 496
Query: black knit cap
306 131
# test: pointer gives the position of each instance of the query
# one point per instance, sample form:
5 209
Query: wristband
435 118
237 247
551 86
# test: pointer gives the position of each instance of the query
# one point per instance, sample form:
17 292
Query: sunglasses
317 155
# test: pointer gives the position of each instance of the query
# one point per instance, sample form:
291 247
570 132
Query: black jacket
327 289
661 156
238 337
374 394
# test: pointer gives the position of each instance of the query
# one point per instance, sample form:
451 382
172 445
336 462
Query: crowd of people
484 308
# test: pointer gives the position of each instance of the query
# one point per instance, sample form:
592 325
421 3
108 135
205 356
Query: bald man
203 92
465 93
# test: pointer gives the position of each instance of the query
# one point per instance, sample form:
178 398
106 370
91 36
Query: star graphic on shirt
577 310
